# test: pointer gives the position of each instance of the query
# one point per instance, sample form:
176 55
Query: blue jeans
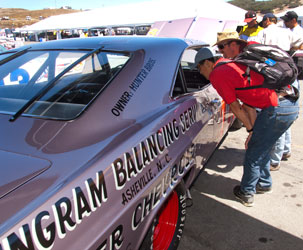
270 124
282 146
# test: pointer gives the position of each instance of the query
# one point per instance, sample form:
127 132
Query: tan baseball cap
228 35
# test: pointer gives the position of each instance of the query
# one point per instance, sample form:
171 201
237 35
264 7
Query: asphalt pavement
217 221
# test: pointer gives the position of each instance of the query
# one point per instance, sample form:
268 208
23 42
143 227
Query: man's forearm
252 113
242 115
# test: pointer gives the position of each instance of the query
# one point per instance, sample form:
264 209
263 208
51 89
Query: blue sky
75 4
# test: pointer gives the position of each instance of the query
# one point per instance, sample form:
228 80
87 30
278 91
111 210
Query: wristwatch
250 130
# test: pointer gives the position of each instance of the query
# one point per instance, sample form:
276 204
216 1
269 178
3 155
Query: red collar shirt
227 77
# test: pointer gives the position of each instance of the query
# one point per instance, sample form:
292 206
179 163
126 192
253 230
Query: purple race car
101 139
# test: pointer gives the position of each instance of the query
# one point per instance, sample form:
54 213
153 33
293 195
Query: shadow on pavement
222 190
219 159
214 225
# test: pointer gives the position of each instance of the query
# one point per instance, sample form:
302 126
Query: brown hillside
17 17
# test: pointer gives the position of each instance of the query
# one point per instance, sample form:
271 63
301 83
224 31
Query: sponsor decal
18 76
169 181
137 187
142 155
139 157
133 162
68 212
115 240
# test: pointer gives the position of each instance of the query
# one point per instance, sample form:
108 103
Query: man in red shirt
277 114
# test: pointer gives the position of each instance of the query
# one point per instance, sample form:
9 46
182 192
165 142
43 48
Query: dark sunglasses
221 46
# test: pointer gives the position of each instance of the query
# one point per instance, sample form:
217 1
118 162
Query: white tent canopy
298 10
141 13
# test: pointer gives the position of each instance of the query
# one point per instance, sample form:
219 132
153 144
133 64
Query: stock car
101 140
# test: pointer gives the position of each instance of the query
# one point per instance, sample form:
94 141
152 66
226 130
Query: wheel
167 227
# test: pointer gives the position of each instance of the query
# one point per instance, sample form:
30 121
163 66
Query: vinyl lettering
43 237
116 238
188 118
13 242
176 129
170 133
115 112
137 187
147 205
174 178
159 145
152 146
159 166
103 245
135 221
168 182
82 207
63 218
97 192
119 173
145 155
157 195
138 163
130 166
150 64
122 103
114 241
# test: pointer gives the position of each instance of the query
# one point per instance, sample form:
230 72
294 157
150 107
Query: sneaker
274 167
246 199
285 156
263 190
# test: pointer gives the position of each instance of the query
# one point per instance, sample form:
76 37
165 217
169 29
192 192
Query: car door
212 101
190 87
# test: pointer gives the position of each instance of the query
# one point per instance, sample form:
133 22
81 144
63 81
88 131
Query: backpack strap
251 87
247 74
223 62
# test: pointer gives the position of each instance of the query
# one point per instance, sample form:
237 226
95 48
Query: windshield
24 76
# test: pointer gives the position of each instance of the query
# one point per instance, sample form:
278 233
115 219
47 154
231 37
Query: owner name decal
132 88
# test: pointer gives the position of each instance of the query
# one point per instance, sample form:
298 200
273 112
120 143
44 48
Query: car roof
128 43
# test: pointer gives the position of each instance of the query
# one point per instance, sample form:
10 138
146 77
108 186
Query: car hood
18 170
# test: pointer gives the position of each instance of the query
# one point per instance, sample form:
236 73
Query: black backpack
275 64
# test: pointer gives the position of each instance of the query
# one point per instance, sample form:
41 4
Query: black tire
158 238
